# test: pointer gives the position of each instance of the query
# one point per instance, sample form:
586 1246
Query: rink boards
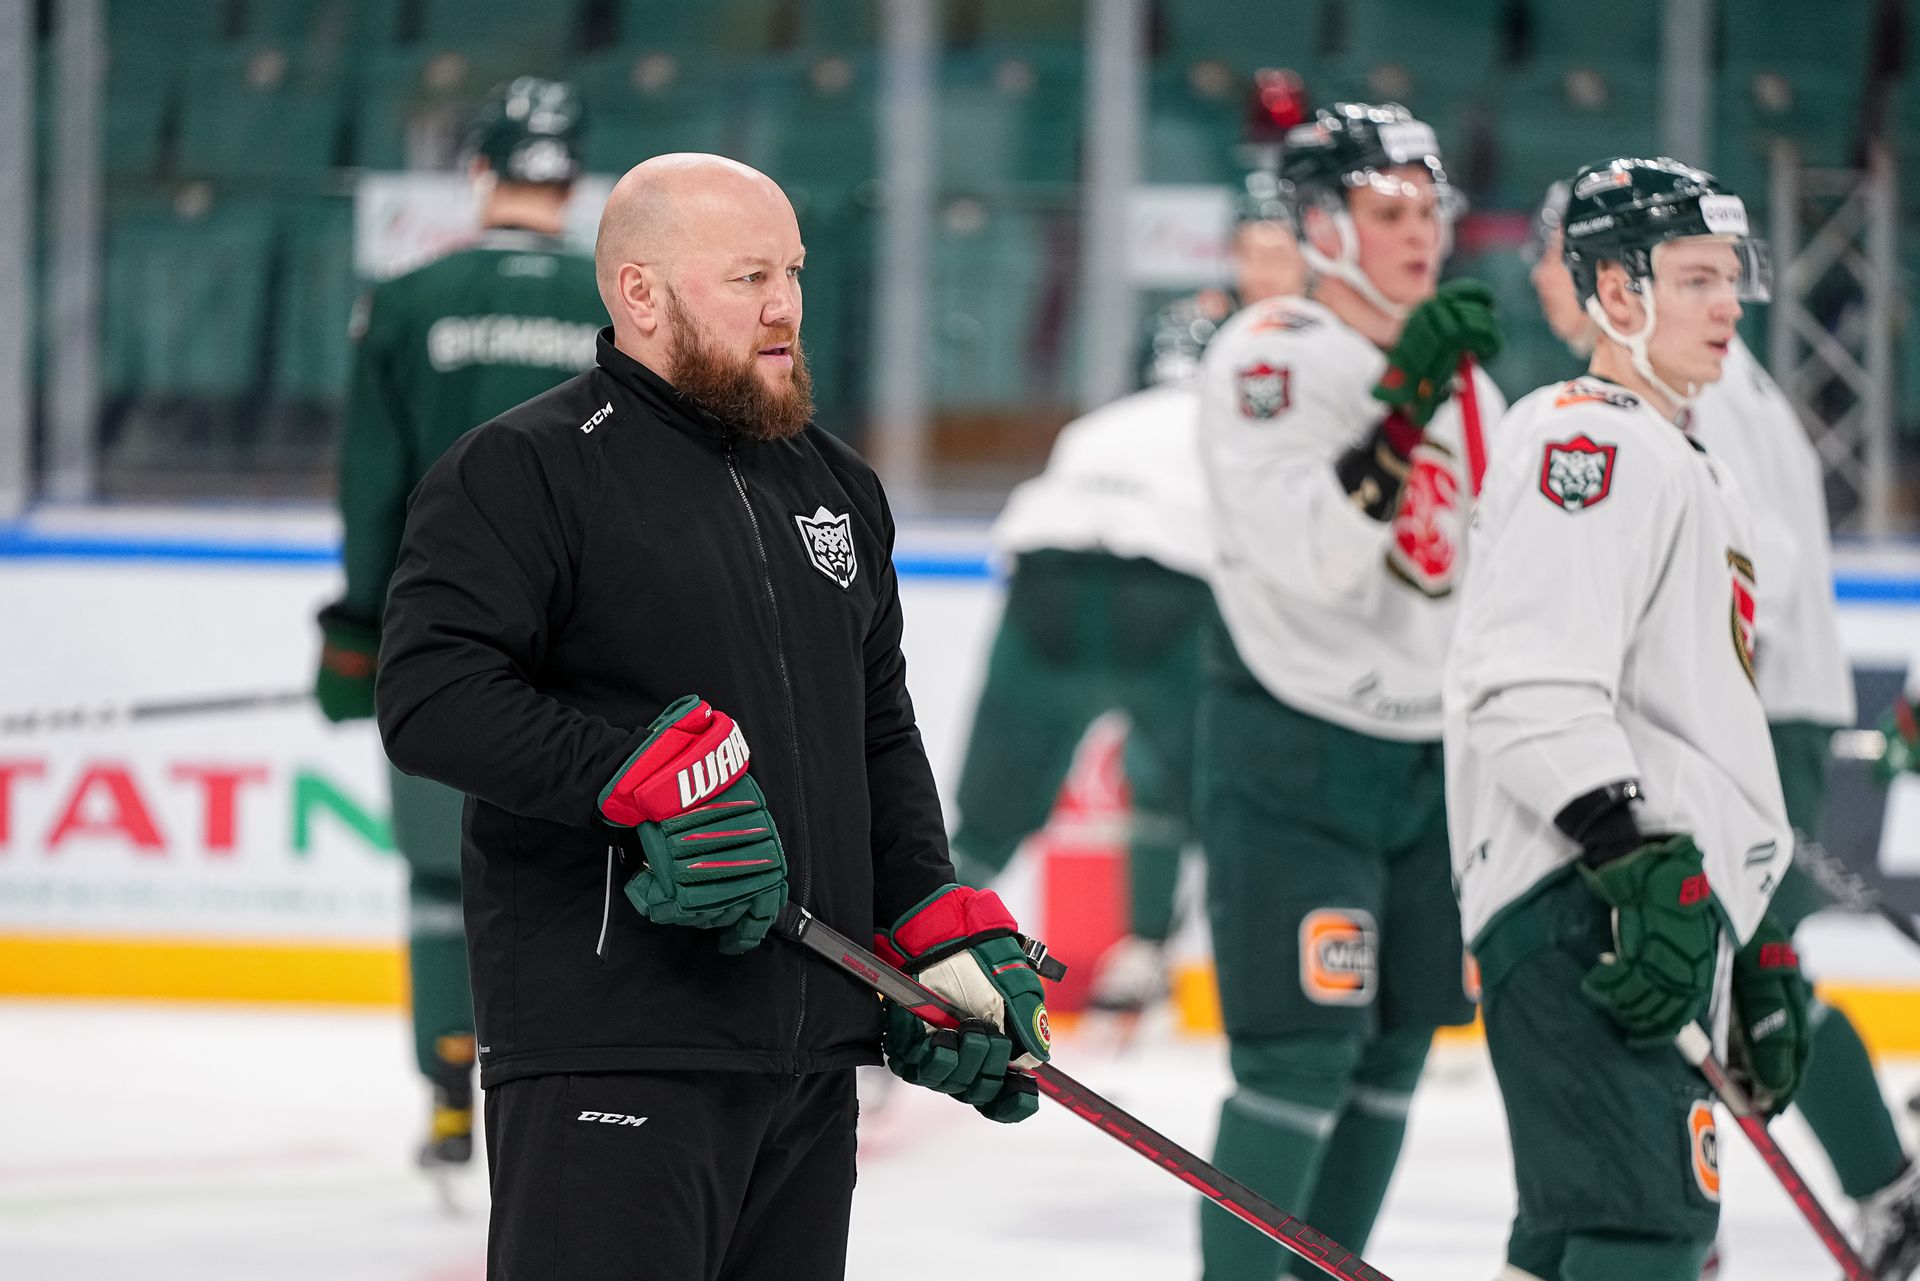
246 855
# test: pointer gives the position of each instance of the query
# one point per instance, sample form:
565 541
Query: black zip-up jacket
567 571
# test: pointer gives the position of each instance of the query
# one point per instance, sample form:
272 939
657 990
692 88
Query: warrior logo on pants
1339 956
1703 1145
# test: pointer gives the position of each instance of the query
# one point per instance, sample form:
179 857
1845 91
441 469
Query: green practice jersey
440 351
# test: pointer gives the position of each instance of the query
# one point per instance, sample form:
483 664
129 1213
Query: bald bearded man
648 622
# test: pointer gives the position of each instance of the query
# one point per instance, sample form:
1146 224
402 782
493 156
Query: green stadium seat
1545 134
258 111
1187 135
815 124
1243 34
411 109
653 103
1819 111
1451 46
141 95
1830 36
708 27
994 272
189 300
1624 32
513 36
1008 115
1056 23
314 302
839 24
174 25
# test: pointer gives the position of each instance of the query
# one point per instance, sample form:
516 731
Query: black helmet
530 131
1349 144
1621 210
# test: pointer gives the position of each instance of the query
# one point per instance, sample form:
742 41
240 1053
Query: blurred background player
439 351
1806 686
1110 557
1616 809
1336 458
1104 608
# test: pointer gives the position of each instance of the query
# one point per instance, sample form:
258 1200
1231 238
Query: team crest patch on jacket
829 542
1264 390
1576 474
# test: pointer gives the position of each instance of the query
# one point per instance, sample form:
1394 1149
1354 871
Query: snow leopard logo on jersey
829 542
1577 474
1265 392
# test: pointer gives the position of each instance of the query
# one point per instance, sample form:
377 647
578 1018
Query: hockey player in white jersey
1806 687
1337 459
1612 791
1109 551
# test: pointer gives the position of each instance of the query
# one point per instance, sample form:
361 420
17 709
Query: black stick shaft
101 715
1698 1050
1848 888
1231 1195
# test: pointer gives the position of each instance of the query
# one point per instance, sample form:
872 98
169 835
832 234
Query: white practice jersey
1607 631
1746 423
1340 616
1124 479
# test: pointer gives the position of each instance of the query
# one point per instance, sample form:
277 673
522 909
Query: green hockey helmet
1622 210
530 131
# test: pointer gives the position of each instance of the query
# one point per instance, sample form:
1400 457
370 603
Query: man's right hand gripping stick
1236 1198
714 860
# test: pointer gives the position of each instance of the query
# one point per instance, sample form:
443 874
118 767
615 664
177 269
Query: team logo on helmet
1576 474
1703 1145
829 542
1043 1027
1426 526
1264 390
1339 956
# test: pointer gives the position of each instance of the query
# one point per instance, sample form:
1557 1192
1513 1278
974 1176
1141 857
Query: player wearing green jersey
439 351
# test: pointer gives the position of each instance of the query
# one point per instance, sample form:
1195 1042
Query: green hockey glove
349 656
963 944
1656 979
969 1062
1456 321
1770 1042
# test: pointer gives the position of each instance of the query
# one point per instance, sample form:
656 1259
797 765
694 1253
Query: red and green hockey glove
349 656
970 1062
1657 978
1770 1044
1457 320
963 944
714 859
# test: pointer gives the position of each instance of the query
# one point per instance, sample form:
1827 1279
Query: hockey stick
1231 1195
1698 1050
105 715
1470 431
1848 888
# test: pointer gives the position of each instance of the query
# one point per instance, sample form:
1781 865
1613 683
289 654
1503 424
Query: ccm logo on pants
611 1118
1339 956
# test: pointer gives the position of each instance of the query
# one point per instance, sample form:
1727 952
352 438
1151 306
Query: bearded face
730 385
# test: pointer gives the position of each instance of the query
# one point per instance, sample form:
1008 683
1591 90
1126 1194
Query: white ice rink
158 1143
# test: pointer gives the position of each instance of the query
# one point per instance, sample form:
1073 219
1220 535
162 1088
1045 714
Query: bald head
665 208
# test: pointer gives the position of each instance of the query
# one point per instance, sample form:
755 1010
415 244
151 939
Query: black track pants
730 1176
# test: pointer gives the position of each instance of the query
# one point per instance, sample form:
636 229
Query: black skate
1889 1228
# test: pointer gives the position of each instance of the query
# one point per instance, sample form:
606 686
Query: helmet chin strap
1346 268
1636 345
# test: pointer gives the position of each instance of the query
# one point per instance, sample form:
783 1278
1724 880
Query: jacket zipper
606 909
793 727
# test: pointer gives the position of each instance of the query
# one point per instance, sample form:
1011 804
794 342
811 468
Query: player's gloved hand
1657 978
1901 730
969 1062
961 943
349 655
714 859
1770 1043
1458 319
